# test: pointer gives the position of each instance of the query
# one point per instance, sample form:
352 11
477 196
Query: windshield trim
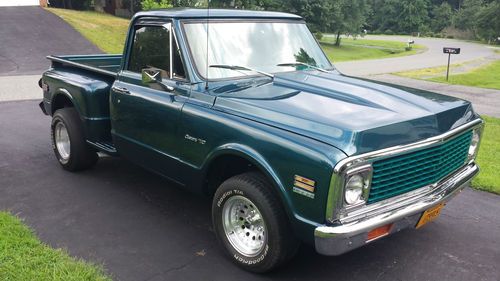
250 20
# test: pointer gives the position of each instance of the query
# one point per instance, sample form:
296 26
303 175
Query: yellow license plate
430 215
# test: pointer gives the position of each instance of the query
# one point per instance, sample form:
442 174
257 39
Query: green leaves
154 4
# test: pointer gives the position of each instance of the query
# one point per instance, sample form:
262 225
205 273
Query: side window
150 48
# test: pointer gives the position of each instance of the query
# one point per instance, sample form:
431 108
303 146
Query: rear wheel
251 224
68 141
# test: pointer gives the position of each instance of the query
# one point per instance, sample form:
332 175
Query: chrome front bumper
405 213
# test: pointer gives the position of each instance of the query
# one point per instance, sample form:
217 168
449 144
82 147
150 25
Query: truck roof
190 13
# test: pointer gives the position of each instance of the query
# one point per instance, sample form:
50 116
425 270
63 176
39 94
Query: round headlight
354 189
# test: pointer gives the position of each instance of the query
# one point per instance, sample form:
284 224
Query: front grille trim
438 161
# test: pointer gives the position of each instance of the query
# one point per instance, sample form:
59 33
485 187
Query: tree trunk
337 40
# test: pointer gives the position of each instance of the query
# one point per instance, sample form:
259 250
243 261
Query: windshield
257 45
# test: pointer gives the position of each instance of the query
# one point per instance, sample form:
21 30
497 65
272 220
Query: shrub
153 4
318 35
389 32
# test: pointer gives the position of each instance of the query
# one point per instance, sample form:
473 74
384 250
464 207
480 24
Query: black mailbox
453 51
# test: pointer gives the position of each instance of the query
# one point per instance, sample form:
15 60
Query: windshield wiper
241 68
293 64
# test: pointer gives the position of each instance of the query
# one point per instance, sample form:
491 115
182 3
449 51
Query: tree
153 4
488 23
467 15
413 15
384 15
441 17
354 14
315 12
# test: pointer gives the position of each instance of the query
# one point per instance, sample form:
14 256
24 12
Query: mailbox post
450 51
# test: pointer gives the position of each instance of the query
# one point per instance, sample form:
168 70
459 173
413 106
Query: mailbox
453 51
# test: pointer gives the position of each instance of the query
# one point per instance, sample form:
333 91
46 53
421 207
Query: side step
104 146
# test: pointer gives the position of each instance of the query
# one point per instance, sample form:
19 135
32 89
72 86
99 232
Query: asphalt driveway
142 227
29 34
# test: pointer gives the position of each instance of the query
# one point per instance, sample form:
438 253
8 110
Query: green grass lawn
489 157
487 76
106 31
362 49
24 257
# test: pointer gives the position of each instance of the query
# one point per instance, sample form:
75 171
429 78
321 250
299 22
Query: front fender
255 158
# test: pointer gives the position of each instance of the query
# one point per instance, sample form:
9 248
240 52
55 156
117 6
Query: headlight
474 145
357 185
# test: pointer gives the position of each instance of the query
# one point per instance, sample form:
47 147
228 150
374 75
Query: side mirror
151 75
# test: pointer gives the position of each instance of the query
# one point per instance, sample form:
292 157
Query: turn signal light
379 232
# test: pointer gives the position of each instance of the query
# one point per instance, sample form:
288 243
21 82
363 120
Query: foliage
465 17
477 17
441 17
304 57
155 4
318 35
488 24
399 16
24 257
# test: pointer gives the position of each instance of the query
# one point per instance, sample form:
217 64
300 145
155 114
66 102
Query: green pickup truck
244 107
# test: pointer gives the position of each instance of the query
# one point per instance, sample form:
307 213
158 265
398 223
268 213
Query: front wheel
251 224
68 141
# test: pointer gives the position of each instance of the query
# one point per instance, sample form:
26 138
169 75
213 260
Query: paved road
29 34
142 227
432 57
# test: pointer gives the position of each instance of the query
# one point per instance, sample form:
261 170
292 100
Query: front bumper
344 237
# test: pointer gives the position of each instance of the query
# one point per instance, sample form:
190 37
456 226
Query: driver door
146 117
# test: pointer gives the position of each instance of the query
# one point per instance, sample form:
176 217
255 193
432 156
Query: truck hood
352 114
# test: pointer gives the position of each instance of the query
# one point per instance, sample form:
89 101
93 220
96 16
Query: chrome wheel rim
244 226
62 141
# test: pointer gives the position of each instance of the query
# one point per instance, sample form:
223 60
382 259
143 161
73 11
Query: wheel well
225 167
61 101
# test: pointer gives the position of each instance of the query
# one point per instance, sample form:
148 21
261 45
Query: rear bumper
338 239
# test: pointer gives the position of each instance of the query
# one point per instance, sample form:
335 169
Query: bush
153 4
450 36
389 32
318 35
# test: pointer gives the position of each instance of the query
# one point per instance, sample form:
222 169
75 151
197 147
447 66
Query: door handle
120 90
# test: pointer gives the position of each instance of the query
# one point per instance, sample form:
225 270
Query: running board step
104 146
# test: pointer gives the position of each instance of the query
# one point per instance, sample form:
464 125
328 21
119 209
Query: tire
68 141
256 245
